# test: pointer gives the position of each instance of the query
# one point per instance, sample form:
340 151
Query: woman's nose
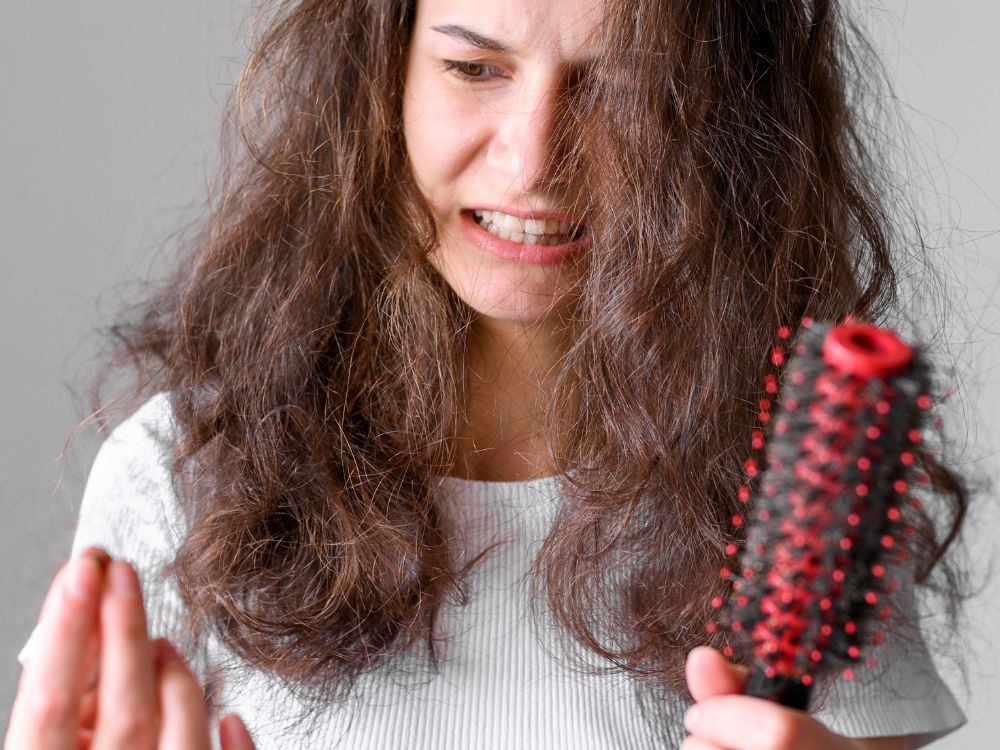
522 147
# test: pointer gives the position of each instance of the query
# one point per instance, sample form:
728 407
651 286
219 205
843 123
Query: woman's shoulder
129 502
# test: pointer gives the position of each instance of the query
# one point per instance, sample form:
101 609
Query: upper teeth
513 224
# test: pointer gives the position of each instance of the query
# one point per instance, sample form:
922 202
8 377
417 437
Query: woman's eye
470 71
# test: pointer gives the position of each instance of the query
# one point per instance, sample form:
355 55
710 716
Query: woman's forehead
519 28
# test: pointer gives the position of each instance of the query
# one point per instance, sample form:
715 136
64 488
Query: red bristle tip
893 514
732 549
861 490
807 680
909 530
846 543
854 652
770 672
915 436
882 407
848 674
853 519
781 427
872 663
878 571
924 402
871 597
784 332
815 655
725 573
906 458
916 503
764 417
888 541
744 494
798 378
716 602
850 628
873 432
924 478
878 638
758 439
711 627
826 630
764 404
864 463
751 466
807 321
885 613
900 486
791 405
742 601
778 356
824 603
737 520
727 650
765 515
737 626
893 585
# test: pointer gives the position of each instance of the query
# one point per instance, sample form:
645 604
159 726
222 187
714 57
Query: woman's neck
508 378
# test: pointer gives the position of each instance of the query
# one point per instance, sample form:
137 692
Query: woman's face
480 143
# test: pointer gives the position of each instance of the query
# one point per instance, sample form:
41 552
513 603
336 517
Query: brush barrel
838 467
787 691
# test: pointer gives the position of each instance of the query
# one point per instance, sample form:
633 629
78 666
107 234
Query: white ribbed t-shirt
502 683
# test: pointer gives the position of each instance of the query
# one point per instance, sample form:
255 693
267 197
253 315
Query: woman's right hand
95 680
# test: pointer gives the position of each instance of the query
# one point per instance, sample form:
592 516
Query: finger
757 724
234 734
126 693
46 710
183 721
709 673
693 743
88 709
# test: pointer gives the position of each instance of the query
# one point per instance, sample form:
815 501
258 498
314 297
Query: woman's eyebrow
472 37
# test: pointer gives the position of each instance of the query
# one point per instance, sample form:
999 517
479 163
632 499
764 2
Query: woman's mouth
528 231
536 242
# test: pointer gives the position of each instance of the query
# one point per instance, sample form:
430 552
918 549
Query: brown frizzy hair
314 358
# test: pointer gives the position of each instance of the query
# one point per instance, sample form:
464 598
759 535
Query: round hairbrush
810 584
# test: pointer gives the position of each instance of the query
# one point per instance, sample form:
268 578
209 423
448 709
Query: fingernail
123 579
82 578
691 718
99 556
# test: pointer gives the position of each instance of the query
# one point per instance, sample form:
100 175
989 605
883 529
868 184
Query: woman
461 374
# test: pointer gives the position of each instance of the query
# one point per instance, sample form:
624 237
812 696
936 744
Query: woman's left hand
725 719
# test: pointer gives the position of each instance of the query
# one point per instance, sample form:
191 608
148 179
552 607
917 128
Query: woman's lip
539 255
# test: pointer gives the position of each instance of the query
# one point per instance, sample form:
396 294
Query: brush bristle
827 513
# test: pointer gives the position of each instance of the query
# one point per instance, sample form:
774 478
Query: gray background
108 119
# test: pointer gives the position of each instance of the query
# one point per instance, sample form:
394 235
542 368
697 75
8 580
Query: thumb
709 673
